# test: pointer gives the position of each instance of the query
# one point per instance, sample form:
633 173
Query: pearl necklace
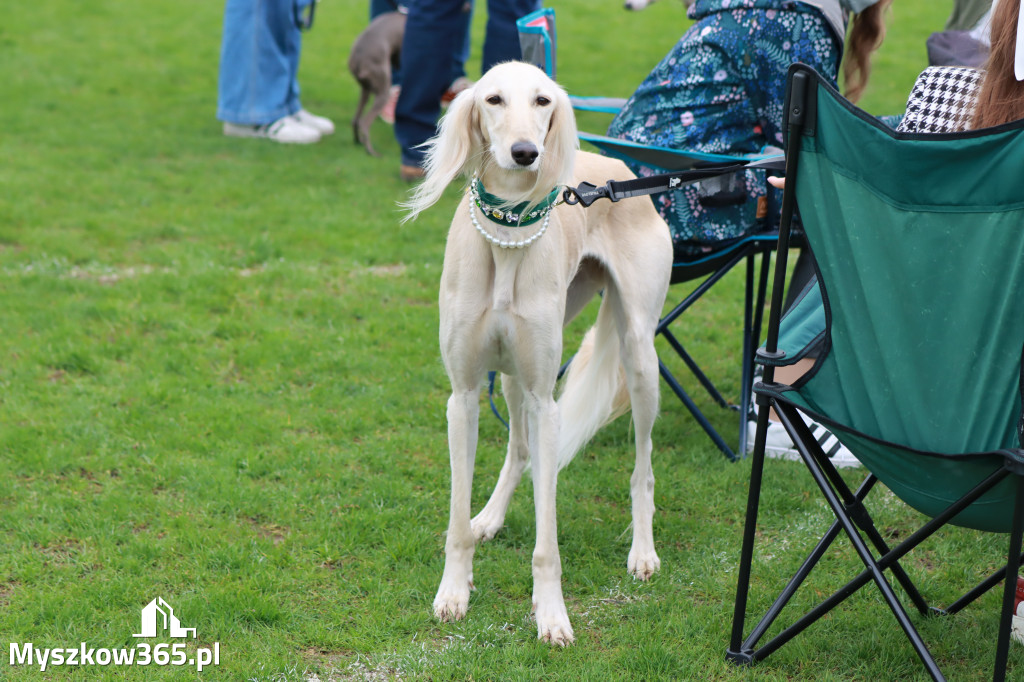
475 198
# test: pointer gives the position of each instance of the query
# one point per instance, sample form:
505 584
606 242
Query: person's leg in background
460 55
429 63
258 90
302 16
501 42
458 81
431 30
381 6
378 7
259 56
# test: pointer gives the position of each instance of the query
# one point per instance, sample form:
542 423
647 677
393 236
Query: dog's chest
504 317
506 314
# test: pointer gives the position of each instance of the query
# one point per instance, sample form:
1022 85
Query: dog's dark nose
524 153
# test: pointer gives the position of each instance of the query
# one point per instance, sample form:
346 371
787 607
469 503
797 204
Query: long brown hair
1001 98
867 31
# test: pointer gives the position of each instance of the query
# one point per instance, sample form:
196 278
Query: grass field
220 385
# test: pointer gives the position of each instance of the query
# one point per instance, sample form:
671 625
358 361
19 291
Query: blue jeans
259 61
428 62
460 55
382 6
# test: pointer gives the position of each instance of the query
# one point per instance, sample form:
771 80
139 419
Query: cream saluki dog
512 278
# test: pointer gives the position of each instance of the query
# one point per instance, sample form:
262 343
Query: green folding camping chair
537 37
919 243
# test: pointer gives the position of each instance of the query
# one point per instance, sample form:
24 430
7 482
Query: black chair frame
717 267
852 516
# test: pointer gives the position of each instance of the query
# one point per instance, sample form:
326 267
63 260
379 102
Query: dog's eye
543 101
494 99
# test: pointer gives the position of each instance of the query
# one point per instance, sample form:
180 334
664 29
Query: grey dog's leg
364 96
380 85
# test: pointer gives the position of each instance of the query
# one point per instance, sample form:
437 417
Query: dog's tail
594 392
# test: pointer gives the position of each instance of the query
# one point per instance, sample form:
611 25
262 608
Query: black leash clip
587 194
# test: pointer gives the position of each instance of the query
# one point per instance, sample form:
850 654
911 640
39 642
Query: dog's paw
452 601
642 565
451 607
485 525
553 625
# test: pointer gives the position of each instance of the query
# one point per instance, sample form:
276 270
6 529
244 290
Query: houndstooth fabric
942 100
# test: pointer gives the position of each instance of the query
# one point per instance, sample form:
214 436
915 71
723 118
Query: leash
304 13
490 397
614 190
586 194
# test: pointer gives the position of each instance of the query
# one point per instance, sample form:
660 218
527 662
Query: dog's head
514 120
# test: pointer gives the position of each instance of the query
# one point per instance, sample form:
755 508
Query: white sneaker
322 125
837 452
778 444
286 130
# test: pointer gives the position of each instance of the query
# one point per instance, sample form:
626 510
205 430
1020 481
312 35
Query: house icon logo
159 614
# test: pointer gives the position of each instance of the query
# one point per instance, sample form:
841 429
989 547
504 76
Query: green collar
490 206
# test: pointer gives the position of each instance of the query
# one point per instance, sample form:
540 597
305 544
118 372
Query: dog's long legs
640 360
642 379
452 598
380 85
548 603
491 518
364 97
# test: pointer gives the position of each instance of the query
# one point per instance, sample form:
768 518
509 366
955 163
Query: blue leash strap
490 397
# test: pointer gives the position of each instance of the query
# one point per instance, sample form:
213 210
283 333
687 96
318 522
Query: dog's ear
560 145
453 151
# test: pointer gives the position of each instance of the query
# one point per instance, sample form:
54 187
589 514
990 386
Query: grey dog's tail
594 392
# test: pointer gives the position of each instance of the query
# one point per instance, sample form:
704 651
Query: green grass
220 384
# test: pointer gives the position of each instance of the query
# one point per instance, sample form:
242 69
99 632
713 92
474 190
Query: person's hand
777 182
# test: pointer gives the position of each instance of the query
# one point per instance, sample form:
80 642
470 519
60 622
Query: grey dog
374 53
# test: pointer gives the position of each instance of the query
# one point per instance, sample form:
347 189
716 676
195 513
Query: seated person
721 90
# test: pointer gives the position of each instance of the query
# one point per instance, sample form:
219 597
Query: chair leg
736 653
798 578
746 651
694 368
854 506
702 421
788 415
1010 584
753 316
751 338
701 289
746 356
673 383
762 295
